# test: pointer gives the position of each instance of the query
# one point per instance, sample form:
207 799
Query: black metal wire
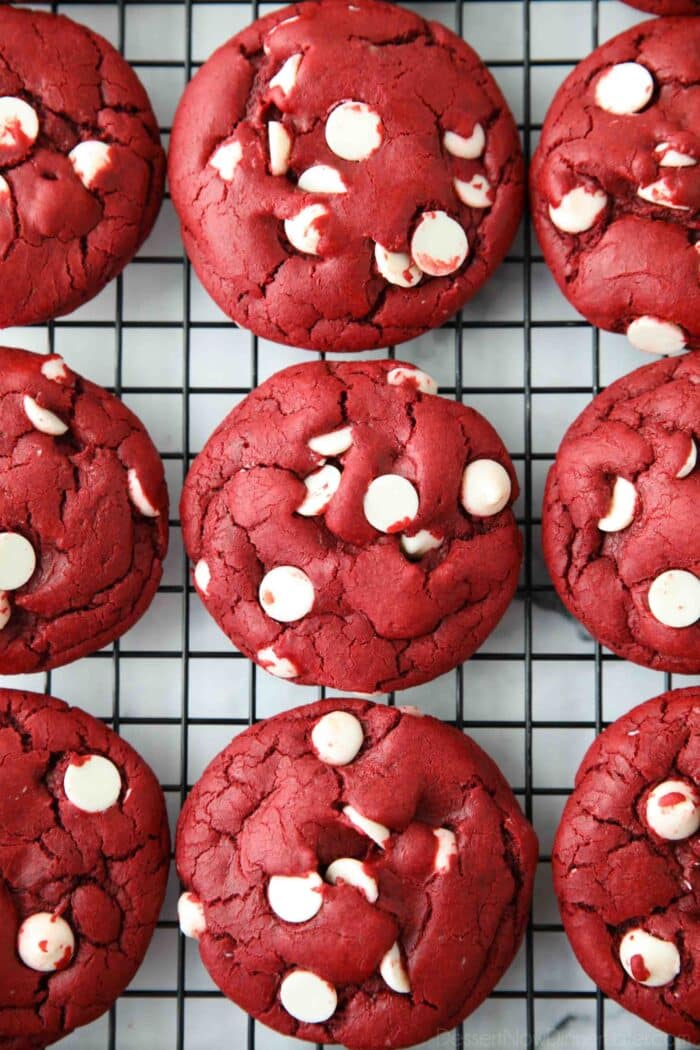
528 594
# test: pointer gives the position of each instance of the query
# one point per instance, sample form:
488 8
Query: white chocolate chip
89 160
578 209
226 159
446 849
624 88
54 369
302 231
16 115
4 189
17 561
321 178
190 914
620 512
439 245
202 576
45 942
353 873
321 486
377 832
673 810
42 419
295 898
649 960
397 267
415 377
337 738
476 193
308 997
354 131
5 609
467 148
390 503
420 543
138 497
393 971
655 336
92 783
674 598
279 666
690 461
284 22
286 77
286 594
661 193
280 146
486 488
673 158
332 444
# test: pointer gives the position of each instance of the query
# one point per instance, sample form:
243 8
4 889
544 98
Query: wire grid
539 689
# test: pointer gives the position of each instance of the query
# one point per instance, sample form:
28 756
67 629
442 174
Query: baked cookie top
83 514
625 862
81 165
355 874
619 514
351 528
616 185
84 857
346 175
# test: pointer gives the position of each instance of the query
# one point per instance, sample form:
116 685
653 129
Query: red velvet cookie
83 515
618 524
84 857
346 175
81 166
352 529
355 874
616 186
626 865
667 7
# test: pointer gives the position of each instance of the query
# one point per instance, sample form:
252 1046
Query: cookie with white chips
625 862
337 860
83 514
350 528
84 860
618 519
346 175
616 186
81 165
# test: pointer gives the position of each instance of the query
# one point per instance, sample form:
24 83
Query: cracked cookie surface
83 873
627 877
351 529
81 165
616 186
346 176
618 518
376 852
83 515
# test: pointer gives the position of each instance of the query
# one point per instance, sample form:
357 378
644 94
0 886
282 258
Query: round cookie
618 522
81 165
625 862
616 186
346 175
349 528
84 861
83 515
336 861
667 7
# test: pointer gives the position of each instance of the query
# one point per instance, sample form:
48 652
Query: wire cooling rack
539 689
